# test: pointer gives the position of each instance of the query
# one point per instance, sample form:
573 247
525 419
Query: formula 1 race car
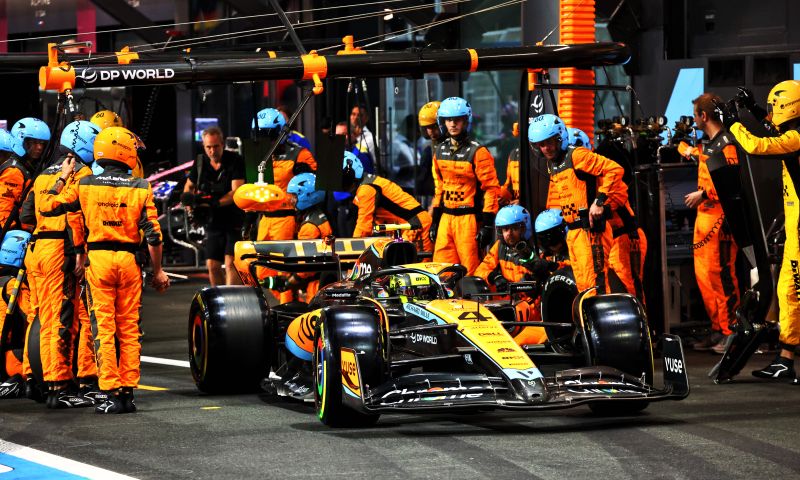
399 336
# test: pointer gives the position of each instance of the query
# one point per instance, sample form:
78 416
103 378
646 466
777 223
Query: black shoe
109 402
90 392
66 398
34 391
12 387
50 402
126 397
780 369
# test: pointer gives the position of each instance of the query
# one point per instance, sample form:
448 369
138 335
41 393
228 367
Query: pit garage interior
624 71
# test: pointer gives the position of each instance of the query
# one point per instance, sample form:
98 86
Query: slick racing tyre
349 356
558 293
228 349
616 334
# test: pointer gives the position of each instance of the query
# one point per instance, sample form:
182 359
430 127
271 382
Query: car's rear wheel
228 348
616 335
342 335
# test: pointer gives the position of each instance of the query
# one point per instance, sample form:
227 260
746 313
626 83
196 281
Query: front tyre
617 335
342 334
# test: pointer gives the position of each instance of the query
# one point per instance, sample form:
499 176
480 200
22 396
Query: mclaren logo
538 104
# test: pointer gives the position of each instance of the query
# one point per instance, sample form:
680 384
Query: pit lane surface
744 430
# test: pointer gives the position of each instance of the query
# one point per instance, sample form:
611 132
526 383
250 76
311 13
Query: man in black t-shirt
211 183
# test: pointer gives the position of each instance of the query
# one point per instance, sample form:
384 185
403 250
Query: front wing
439 392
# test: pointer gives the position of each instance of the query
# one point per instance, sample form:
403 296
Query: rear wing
297 255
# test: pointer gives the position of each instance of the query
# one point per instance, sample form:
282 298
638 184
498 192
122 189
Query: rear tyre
228 348
362 330
617 335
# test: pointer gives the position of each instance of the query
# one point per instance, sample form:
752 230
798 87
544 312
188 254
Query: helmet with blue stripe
78 137
12 251
304 187
548 126
513 215
454 107
28 127
579 138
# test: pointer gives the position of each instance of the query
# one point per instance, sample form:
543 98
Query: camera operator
209 193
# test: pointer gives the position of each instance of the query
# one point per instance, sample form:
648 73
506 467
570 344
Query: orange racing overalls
55 291
466 185
578 178
118 210
510 189
505 261
280 224
16 177
714 247
628 250
380 201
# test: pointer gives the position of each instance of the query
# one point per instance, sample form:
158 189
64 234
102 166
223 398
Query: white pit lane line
165 361
32 463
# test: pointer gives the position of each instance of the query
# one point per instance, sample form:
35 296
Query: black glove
541 268
437 215
727 113
188 199
498 280
485 235
745 99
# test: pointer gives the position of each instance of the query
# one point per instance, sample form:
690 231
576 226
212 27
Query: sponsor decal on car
423 338
428 394
421 312
674 365
602 390
350 381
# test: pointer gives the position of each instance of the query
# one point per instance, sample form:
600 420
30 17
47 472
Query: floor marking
210 408
17 461
152 389
165 361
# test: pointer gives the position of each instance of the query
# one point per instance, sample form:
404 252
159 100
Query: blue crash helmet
28 127
578 138
6 141
271 121
513 215
547 126
550 228
78 137
303 186
454 107
352 170
12 251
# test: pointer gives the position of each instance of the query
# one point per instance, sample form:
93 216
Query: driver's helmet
412 286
